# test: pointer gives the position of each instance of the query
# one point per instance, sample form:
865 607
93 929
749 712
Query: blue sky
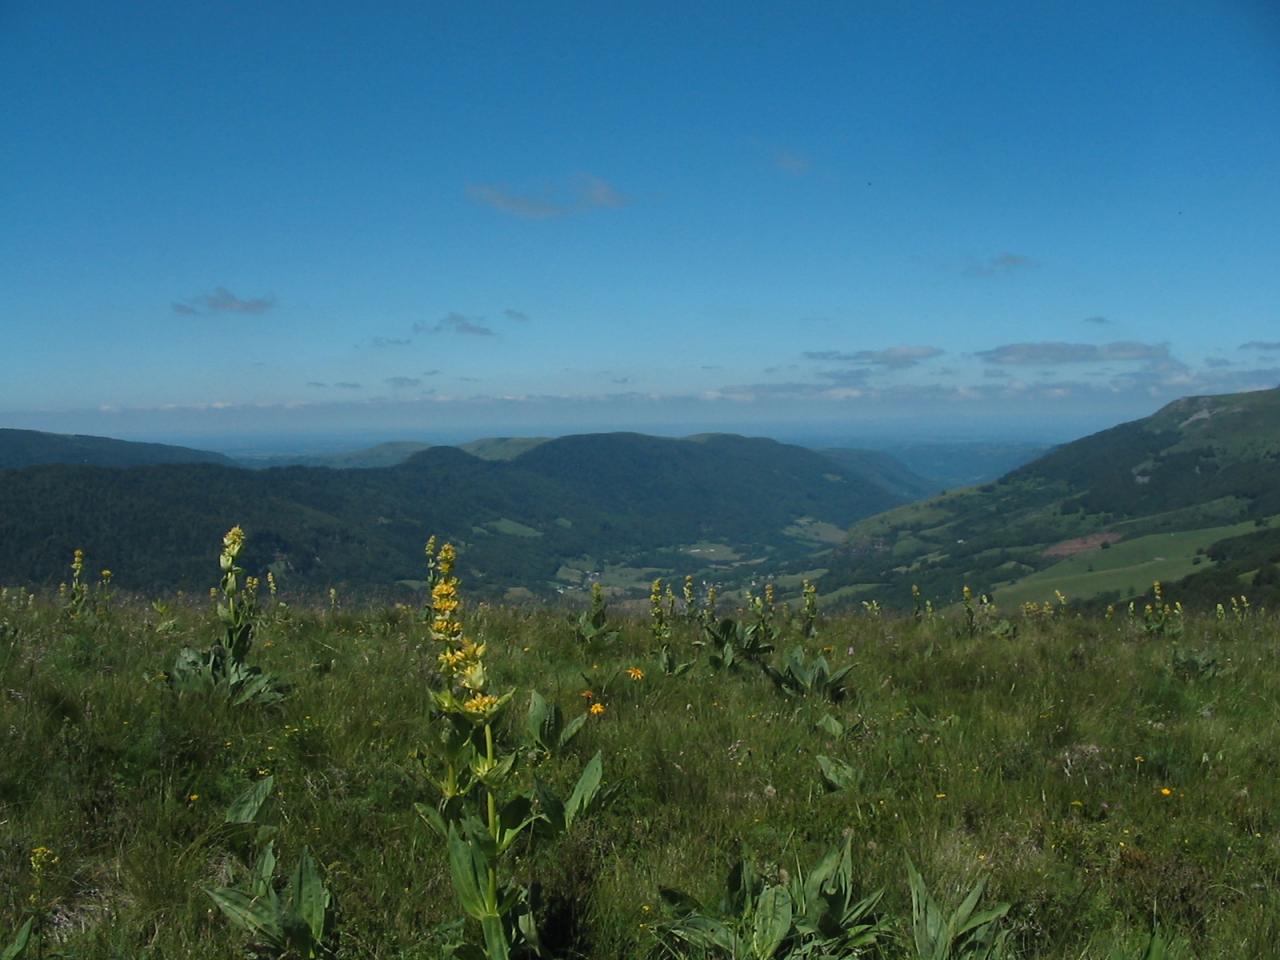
241 219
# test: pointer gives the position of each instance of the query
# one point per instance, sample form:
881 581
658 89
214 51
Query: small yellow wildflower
1166 792
445 559
939 796
480 703
635 673
597 709
192 797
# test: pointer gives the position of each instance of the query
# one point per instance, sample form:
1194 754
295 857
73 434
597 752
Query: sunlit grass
1101 776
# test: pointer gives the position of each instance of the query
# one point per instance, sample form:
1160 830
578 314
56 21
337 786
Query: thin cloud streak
221 300
894 358
588 192
1000 264
455 322
1050 353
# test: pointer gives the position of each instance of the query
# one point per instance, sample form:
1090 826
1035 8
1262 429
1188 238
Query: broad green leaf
264 872
246 806
772 922
740 887
571 729
831 726
310 898
542 724
15 950
926 915
706 934
470 875
495 937
433 818
584 790
250 914
983 918
838 774
477 834
817 880
1156 947
959 921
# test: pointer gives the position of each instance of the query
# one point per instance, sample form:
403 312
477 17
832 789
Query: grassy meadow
1105 778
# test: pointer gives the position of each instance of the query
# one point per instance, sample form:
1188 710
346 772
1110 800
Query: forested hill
1192 491
623 507
28 448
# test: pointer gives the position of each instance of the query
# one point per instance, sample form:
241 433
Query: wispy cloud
1267 346
1048 353
1100 321
502 200
894 358
384 342
517 315
587 192
1217 363
318 384
455 322
594 192
1000 264
849 376
221 300
402 383
347 385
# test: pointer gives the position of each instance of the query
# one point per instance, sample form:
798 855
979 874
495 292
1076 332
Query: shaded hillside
380 455
885 470
623 506
29 448
1199 471
948 466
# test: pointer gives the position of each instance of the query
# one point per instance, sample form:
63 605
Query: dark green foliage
618 498
809 915
803 677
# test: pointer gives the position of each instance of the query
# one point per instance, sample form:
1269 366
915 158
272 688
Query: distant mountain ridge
620 507
29 448
1175 496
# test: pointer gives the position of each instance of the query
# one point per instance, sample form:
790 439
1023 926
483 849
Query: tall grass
1103 777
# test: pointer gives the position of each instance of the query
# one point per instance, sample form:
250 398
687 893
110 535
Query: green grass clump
1103 779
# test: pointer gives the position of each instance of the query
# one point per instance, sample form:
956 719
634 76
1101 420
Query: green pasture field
1128 566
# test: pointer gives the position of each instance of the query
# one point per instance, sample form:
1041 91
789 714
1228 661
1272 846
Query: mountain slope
28 448
1192 473
885 470
622 506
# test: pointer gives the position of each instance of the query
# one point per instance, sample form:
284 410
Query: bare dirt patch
1069 548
